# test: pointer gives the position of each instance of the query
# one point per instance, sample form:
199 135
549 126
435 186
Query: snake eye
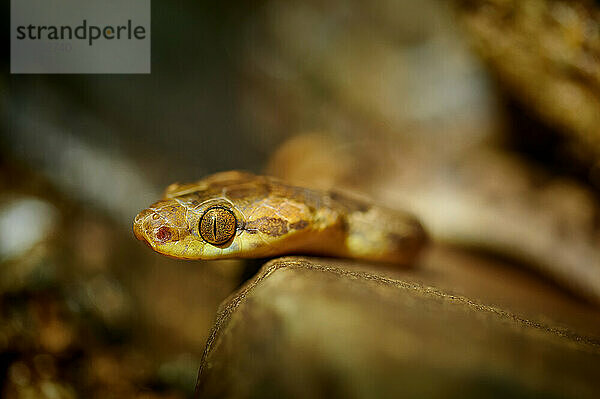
217 225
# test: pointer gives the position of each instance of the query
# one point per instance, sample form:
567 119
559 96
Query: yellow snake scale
241 215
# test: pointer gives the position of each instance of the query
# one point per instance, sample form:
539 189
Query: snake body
239 214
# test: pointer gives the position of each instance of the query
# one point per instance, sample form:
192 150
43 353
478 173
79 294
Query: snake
238 214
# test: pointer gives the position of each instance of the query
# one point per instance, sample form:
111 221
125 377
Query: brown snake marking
239 214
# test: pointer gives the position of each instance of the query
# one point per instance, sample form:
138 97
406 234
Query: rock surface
306 327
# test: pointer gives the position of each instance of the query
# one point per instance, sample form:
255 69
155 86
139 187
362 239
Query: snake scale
239 214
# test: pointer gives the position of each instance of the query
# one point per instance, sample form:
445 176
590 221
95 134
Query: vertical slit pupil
215 228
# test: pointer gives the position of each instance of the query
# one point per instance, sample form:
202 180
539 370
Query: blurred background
482 117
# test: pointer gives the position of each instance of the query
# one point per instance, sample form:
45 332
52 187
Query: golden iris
217 225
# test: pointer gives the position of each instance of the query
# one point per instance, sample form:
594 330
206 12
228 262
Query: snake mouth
140 226
138 229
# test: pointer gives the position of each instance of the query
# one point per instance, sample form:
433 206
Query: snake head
230 214
178 228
